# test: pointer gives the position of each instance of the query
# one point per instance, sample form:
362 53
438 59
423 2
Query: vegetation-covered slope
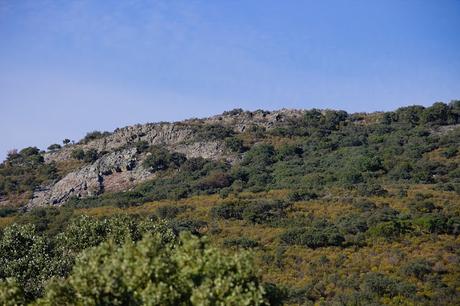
337 208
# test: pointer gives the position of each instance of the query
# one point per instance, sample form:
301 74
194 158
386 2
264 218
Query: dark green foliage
88 156
93 136
390 230
193 226
261 212
381 285
7 211
235 144
371 189
215 180
78 154
302 195
25 170
319 234
46 219
169 212
450 152
142 146
352 224
120 199
244 243
209 132
265 212
54 147
228 211
33 258
161 159
419 268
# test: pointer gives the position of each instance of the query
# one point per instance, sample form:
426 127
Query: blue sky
69 67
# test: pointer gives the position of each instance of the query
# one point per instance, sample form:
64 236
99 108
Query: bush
450 152
91 155
381 285
11 293
215 180
318 235
25 257
93 136
235 144
419 268
228 211
161 159
244 243
54 147
264 212
169 212
302 195
142 146
7 211
22 172
390 230
432 223
371 190
212 132
78 154
148 272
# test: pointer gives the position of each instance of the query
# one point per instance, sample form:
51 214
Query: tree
24 256
54 147
78 154
149 272
66 141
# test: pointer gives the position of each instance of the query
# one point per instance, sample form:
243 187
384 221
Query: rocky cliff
120 165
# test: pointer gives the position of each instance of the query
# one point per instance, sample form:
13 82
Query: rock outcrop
120 166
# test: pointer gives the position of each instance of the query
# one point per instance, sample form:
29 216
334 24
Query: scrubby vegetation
335 208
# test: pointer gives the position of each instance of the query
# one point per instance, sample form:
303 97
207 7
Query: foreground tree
150 272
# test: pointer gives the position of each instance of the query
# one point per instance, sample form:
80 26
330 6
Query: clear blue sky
69 67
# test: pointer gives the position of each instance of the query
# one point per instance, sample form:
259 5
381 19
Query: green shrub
25 257
302 195
450 152
93 136
381 285
228 211
78 154
235 144
318 235
169 212
244 243
54 147
7 211
265 211
160 159
211 132
419 268
141 146
390 230
11 294
149 272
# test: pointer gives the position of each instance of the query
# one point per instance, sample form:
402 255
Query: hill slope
337 208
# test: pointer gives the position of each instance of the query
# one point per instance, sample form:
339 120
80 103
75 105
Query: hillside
336 208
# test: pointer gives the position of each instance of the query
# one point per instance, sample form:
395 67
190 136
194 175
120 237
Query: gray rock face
121 169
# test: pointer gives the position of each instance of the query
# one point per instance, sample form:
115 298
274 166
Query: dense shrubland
336 208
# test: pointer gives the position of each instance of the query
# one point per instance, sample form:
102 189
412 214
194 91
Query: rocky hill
337 208
120 161
119 167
